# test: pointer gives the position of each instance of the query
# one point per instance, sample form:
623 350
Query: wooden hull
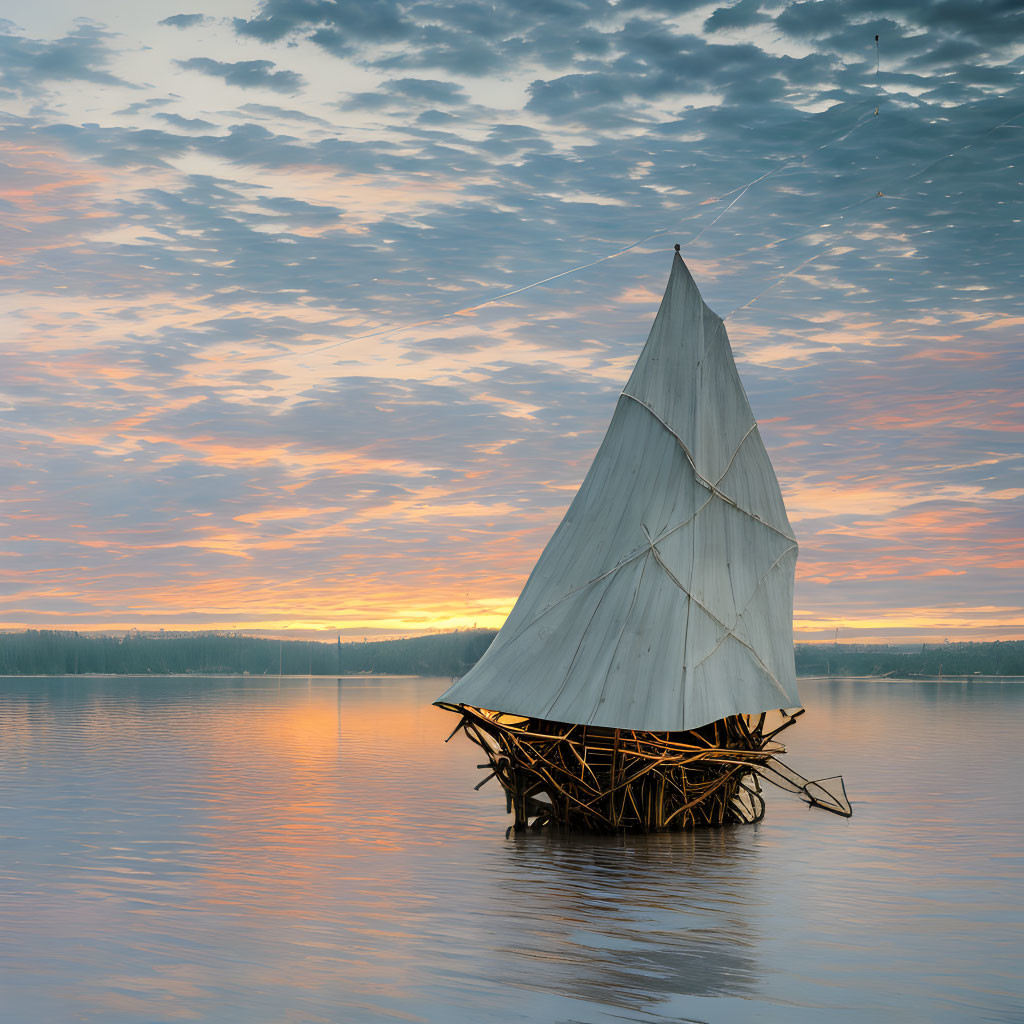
591 779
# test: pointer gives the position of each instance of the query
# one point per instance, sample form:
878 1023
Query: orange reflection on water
310 850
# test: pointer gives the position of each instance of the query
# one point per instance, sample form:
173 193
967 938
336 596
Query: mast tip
677 247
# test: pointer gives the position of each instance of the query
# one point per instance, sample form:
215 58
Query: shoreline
974 677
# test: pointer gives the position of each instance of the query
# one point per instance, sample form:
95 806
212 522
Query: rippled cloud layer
252 378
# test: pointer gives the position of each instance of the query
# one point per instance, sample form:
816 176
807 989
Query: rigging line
817 228
479 305
977 142
777 281
743 188
564 273
881 194
791 161
938 160
860 202
807 234
586 266
804 234
516 291
707 227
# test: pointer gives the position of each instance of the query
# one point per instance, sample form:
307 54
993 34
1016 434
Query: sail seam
615 568
671 575
666 533
687 674
700 604
743 610
576 653
703 481
682 443
625 622
577 590
689 593
729 631
686 522
767 671
732 459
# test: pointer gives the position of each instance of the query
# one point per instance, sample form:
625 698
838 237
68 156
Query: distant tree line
996 658
52 652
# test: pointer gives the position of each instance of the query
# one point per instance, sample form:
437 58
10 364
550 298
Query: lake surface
256 849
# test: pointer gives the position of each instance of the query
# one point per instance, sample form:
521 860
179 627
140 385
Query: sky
252 379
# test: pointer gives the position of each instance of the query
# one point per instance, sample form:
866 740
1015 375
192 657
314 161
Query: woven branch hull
602 780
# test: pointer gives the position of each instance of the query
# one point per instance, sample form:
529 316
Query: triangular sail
664 599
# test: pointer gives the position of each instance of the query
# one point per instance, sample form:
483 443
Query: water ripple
296 850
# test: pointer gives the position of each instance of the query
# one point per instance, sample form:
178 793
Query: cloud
282 388
472 38
334 24
143 105
83 55
184 20
428 90
186 123
267 111
743 14
247 74
400 93
935 31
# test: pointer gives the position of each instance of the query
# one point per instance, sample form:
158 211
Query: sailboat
647 667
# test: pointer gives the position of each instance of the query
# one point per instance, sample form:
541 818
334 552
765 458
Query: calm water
285 850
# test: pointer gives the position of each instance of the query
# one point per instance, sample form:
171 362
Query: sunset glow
254 379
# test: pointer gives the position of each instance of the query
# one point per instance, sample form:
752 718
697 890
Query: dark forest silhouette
993 658
49 652
52 652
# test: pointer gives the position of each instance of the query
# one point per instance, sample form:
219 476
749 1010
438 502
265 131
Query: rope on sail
650 545
713 488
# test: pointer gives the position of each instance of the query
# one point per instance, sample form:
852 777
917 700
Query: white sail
664 600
